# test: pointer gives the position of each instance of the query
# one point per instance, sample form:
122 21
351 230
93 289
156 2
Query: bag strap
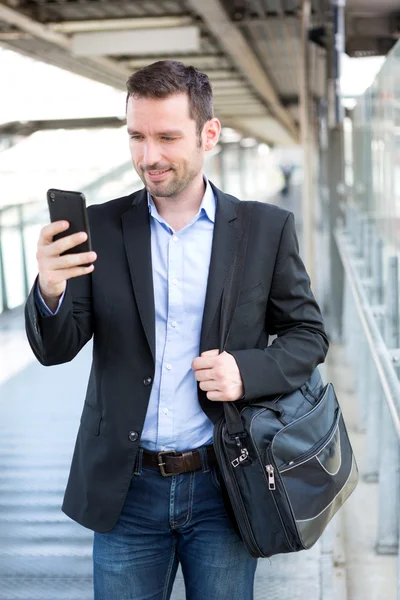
230 298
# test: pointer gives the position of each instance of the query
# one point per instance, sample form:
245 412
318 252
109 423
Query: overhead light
349 103
142 41
229 135
264 149
121 24
248 142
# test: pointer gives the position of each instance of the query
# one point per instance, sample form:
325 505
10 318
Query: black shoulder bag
287 464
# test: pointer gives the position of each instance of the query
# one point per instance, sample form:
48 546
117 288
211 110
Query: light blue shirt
180 265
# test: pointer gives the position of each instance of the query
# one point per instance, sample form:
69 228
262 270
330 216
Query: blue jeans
166 521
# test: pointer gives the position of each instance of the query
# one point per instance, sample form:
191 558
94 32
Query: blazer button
133 436
147 381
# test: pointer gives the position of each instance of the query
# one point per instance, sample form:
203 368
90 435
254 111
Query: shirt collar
207 206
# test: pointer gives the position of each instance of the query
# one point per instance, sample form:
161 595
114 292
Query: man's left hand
218 375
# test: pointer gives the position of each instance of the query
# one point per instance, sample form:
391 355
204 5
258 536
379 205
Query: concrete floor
369 576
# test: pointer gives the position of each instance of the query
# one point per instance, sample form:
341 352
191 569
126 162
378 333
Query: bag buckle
244 455
161 464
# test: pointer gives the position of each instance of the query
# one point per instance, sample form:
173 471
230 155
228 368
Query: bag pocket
317 483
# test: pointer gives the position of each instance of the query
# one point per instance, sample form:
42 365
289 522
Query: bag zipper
314 451
236 498
271 477
270 472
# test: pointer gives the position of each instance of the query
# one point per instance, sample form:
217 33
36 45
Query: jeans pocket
215 477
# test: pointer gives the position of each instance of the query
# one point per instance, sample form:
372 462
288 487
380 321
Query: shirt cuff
43 309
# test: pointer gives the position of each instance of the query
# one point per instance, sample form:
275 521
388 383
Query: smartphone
71 207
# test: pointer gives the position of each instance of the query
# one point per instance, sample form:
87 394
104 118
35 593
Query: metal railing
371 326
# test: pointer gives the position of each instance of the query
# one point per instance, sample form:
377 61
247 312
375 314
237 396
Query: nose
151 155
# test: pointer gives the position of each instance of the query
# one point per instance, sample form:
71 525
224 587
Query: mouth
157 175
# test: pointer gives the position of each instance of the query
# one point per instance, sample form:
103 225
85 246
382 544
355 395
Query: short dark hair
167 77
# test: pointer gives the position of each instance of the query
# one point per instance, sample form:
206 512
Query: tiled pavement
44 555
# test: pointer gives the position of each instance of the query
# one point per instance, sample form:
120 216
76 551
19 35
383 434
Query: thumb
210 353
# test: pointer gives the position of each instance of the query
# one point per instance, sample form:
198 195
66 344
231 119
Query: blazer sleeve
58 338
294 317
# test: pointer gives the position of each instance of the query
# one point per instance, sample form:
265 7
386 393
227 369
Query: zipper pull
244 453
271 477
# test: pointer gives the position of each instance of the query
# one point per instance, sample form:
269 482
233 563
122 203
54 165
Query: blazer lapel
137 240
226 238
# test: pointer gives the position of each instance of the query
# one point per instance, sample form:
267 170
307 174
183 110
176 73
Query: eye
135 137
167 139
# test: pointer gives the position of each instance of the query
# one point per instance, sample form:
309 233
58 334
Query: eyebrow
173 132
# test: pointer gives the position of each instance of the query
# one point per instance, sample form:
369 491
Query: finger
205 375
66 243
216 396
78 271
49 231
209 386
219 396
210 353
71 260
64 274
203 363
56 248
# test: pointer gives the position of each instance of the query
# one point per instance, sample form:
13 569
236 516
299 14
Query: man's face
164 144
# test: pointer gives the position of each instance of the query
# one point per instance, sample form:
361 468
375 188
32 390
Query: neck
179 210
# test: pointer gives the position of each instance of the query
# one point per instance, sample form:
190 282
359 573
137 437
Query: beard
174 183
171 186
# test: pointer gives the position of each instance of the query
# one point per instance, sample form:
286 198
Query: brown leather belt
172 462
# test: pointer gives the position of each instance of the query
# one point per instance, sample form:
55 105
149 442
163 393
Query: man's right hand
55 270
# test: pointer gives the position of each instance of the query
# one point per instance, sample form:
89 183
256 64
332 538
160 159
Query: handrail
379 351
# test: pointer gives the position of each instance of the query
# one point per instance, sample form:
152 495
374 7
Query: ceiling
372 26
249 48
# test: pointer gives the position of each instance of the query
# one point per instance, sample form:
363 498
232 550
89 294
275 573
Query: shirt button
175 238
165 411
147 381
174 324
175 281
133 436
168 366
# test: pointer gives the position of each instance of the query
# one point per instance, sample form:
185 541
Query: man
144 474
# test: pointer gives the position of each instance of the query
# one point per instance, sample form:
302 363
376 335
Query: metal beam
45 33
29 127
236 46
201 61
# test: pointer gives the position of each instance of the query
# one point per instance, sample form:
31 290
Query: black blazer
115 304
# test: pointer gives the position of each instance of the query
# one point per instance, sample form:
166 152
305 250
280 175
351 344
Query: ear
211 133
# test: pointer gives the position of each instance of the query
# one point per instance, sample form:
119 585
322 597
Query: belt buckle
162 464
